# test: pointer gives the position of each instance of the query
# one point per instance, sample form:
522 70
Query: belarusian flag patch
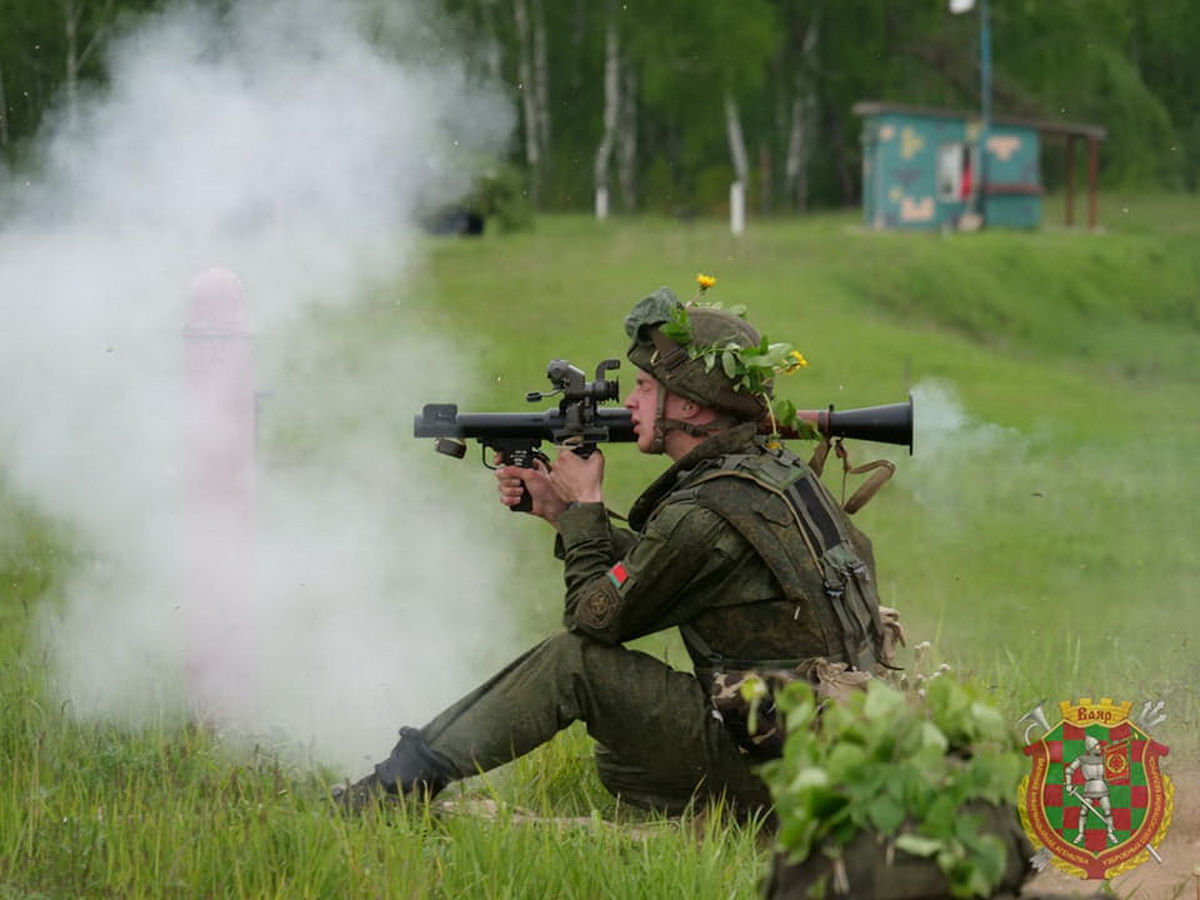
617 575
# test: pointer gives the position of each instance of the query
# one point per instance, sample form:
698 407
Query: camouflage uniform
682 565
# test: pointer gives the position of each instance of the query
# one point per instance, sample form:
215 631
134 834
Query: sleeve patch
597 610
617 575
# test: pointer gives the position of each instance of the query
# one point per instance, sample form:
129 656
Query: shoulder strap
846 579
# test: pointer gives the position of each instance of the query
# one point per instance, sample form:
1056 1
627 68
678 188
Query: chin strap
660 421
662 424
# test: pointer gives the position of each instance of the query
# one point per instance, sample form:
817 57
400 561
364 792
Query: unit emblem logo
1096 802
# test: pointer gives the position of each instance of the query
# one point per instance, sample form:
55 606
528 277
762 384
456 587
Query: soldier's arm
658 582
597 538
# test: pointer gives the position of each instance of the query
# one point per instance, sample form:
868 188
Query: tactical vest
793 523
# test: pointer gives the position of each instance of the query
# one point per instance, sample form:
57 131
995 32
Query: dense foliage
904 767
674 99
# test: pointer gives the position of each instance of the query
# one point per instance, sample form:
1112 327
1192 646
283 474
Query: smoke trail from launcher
277 142
947 477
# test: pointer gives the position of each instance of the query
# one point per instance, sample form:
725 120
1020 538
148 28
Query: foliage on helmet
747 362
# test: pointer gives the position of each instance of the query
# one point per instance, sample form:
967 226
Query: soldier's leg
664 787
654 720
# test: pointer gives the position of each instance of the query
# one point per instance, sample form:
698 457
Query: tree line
661 104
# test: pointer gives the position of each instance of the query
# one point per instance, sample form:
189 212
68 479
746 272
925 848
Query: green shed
921 168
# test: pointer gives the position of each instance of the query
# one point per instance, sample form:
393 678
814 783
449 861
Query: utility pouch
745 702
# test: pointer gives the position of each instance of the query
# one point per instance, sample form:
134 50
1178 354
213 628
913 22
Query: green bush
502 195
908 767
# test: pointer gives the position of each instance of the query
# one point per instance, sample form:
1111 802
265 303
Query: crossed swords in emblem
1151 715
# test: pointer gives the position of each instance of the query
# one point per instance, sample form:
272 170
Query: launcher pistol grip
523 453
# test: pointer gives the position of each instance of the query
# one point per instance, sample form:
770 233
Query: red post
218 556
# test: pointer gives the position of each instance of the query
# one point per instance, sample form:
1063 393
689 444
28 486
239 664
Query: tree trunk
799 149
71 87
541 78
3 114
73 12
612 108
533 158
737 141
804 105
627 150
741 167
493 60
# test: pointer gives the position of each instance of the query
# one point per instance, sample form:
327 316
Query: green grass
1041 537
98 812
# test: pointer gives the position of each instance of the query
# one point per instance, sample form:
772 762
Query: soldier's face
642 404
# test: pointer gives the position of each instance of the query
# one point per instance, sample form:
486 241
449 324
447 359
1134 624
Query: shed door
957 172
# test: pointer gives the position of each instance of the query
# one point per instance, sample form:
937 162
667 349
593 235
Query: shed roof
1047 126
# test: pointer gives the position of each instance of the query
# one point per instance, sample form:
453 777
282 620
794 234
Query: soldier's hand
513 481
578 479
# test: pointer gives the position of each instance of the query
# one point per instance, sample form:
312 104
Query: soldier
737 544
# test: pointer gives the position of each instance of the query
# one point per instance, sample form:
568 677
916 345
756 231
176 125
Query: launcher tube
888 424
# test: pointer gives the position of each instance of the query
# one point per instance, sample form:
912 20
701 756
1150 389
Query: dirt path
1176 878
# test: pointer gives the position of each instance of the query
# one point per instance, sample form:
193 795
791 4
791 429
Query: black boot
411 768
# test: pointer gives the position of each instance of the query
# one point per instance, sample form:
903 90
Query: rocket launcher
580 422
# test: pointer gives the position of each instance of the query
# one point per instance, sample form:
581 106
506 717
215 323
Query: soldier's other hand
578 479
513 481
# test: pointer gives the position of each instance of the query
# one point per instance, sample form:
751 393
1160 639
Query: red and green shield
1074 824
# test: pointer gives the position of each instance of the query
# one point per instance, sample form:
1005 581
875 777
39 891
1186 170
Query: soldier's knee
667 794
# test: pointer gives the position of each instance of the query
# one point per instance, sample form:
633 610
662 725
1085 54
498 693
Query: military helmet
674 368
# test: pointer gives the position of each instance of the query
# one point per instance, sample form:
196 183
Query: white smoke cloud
953 453
278 141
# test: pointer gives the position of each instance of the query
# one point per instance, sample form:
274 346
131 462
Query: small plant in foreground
909 769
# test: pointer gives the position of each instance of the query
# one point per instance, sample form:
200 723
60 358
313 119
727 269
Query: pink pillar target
219 437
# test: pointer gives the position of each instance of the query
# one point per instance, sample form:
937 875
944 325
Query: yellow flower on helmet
795 362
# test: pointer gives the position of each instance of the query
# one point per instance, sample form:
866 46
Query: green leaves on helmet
679 327
750 369
656 309
711 336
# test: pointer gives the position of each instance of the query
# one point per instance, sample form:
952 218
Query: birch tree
737 140
530 115
533 84
628 140
612 112
695 63
78 19
802 120
541 75
749 31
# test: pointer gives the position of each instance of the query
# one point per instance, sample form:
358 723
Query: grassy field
1041 537
1041 531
